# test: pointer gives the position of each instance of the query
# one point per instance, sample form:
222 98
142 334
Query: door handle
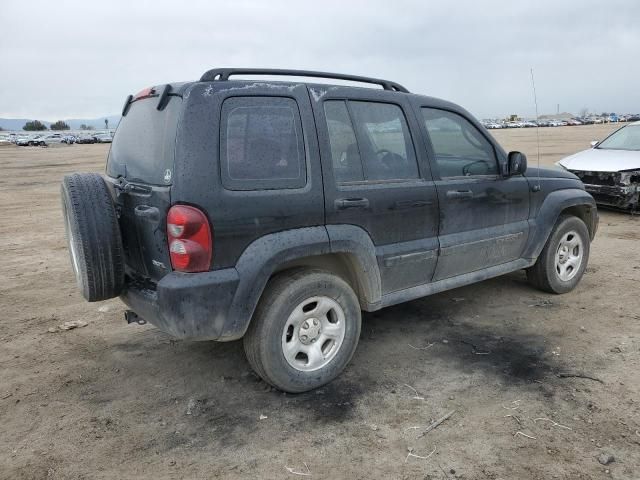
344 203
459 194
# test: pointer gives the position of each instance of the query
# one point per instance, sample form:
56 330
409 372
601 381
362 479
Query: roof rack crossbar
225 73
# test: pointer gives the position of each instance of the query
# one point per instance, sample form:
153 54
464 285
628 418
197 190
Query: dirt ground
115 401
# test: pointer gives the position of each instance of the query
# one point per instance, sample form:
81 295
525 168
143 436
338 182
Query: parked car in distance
52 138
610 170
103 138
84 139
277 211
37 141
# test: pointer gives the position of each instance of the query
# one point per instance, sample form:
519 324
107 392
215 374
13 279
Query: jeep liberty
277 211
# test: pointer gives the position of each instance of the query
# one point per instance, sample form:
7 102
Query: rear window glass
379 148
144 143
385 142
261 144
347 165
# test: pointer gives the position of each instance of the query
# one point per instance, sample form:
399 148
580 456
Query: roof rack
225 73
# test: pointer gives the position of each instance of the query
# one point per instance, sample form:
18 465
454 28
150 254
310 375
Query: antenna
536 188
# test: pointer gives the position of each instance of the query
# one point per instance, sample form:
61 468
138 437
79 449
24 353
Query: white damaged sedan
610 170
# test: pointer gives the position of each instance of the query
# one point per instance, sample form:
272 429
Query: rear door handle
459 194
344 203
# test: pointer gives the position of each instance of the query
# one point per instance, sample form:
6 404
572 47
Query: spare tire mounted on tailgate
93 236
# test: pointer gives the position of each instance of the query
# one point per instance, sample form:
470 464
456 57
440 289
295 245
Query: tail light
190 242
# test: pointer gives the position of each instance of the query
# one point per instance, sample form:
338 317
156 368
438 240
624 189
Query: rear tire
93 236
303 311
564 258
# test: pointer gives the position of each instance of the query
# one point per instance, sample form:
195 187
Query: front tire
304 331
564 258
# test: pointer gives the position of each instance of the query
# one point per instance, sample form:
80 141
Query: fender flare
258 262
540 228
356 243
262 258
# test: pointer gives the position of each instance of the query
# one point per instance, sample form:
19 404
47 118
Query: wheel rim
313 334
72 248
569 256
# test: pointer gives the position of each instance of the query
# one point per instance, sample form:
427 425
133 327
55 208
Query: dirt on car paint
116 400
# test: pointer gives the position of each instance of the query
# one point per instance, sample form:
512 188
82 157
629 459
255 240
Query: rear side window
261 144
460 149
369 141
347 165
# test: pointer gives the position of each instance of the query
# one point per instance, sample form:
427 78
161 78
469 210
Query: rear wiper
124 186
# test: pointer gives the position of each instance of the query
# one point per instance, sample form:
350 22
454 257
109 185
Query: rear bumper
187 305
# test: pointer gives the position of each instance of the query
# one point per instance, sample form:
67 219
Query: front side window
369 141
459 147
261 144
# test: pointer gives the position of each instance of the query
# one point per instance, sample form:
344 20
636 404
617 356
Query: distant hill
74 123
557 116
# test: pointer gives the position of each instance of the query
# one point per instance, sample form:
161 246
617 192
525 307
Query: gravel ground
108 400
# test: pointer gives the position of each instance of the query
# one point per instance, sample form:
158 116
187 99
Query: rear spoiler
163 97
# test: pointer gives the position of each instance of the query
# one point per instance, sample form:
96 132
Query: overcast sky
81 59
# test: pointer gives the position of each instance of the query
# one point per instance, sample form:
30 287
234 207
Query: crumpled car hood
600 160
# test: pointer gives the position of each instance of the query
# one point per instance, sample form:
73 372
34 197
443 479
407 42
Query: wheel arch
345 252
572 201
585 213
344 265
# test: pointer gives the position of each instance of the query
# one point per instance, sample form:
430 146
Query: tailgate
143 212
140 170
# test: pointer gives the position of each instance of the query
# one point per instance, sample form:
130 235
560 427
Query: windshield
627 138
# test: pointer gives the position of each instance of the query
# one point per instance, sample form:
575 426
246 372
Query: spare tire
93 236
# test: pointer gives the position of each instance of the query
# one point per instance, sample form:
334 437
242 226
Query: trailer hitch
132 317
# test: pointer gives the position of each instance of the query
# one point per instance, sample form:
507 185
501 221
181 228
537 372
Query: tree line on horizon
38 126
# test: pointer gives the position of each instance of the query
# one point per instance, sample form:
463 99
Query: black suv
277 211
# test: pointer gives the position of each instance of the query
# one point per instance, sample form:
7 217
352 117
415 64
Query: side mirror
517 163
594 143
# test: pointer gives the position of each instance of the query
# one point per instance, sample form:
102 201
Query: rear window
261 144
379 148
144 143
